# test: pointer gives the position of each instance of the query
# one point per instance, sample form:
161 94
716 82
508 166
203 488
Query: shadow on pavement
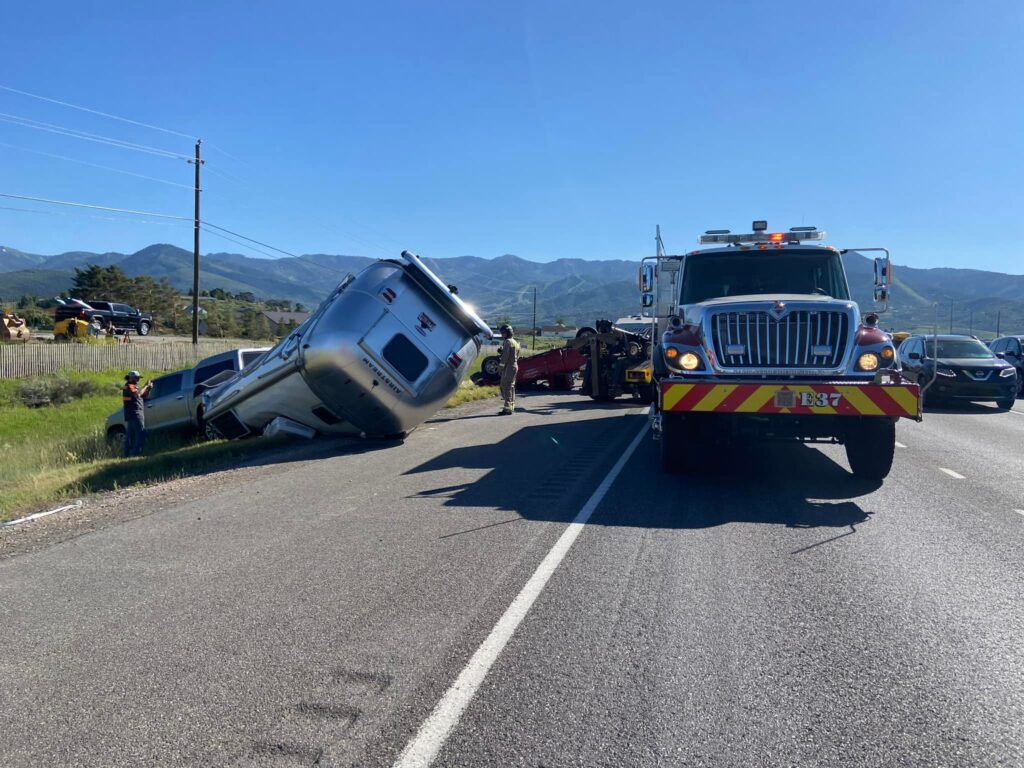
547 472
964 408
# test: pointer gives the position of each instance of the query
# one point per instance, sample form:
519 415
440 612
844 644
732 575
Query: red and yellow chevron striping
797 399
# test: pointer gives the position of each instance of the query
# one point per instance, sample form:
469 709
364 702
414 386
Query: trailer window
405 357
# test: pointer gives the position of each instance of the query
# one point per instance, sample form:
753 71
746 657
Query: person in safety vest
508 365
134 413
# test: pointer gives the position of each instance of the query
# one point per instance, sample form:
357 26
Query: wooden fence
18 361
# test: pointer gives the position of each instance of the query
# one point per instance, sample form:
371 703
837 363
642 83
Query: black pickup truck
123 317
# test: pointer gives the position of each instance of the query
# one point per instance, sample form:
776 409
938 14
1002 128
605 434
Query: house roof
282 318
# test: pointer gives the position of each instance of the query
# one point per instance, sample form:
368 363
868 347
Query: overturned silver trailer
383 353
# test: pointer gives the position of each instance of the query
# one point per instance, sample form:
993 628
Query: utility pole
534 343
195 257
999 313
951 317
970 323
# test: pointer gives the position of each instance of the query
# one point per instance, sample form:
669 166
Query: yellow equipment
72 328
13 328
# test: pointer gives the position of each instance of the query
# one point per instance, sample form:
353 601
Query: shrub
54 391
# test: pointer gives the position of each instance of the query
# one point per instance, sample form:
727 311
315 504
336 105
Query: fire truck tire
870 446
490 367
681 448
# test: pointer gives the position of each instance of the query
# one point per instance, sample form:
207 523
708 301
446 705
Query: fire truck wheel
490 367
870 445
681 448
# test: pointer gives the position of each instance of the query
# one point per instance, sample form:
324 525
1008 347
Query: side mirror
1002 355
881 294
645 280
914 355
647 300
883 271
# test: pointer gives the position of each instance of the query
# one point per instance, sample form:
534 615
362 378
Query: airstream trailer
383 353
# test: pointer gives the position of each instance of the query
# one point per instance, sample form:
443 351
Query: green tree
261 327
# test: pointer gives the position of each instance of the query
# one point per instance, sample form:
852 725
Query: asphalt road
779 612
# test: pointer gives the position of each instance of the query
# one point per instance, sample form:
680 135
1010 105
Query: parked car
123 317
175 402
963 367
1011 349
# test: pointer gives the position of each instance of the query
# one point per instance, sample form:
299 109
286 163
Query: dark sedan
1011 349
963 367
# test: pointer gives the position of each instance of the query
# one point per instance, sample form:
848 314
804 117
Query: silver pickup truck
175 402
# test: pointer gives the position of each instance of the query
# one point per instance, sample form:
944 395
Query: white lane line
951 473
421 751
900 445
1019 511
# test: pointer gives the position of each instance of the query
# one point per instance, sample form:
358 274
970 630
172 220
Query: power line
96 112
95 207
94 165
236 242
83 216
252 240
271 247
25 122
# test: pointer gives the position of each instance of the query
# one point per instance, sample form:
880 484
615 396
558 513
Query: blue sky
544 129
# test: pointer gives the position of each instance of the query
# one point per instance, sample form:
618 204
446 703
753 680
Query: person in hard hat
508 365
134 413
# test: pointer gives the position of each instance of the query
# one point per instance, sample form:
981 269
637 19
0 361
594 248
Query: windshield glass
712 276
959 348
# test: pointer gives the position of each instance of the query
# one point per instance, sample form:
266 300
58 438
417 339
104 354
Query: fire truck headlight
868 361
688 361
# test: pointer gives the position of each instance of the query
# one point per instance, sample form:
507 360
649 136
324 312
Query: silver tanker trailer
380 355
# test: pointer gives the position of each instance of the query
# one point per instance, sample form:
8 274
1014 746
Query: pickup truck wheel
870 446
210 432
490 367
1005 404
143 328
115 438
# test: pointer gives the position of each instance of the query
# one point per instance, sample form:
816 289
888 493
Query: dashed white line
951 473
1019 511
900 445
432 735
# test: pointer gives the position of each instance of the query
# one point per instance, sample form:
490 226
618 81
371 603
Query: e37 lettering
820 399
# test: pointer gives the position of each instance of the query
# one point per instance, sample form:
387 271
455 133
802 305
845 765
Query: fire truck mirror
882 271
646 279
647 300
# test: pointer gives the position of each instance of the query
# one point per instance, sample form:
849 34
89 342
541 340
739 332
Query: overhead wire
236 242
75 133
96 112
95 207
95 165
121 118
88 216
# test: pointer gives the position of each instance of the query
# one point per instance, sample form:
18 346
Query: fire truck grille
800 339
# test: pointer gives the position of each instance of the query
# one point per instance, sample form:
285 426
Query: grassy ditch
58 451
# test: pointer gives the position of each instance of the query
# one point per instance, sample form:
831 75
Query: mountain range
573 290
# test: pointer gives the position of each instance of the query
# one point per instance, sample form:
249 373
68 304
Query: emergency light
795 235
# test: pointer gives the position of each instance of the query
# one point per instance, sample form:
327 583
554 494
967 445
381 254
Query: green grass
59 452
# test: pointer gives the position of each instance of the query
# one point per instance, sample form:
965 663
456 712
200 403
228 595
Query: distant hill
574 290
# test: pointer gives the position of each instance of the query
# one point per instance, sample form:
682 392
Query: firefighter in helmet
508 364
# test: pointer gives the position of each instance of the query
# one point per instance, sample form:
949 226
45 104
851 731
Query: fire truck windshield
815 272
